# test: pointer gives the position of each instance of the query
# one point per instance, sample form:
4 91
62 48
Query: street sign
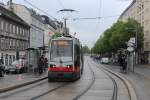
130 49
132 40
130 44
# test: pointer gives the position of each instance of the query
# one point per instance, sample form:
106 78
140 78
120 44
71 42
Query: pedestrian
124 63
41 64
45 63
1 61
120 59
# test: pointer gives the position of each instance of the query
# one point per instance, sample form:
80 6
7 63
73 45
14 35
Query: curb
131 90
21 85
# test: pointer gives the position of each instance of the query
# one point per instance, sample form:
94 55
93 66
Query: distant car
17 66
104 60
2 70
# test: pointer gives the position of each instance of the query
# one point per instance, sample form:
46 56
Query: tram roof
67 37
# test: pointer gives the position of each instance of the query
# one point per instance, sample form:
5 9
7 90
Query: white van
104 60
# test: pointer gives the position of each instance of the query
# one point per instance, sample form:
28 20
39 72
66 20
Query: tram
65 59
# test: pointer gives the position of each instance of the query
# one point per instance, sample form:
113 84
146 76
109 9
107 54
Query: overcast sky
88 31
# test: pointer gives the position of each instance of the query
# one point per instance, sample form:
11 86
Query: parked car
2 70
104 60
17 66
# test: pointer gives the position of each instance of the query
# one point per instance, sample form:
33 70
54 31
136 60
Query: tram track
35 85
61 86
131 92
115 90
7 89
89 86
25 89
65 84
49 91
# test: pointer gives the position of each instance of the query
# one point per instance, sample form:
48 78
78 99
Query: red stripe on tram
60 69
63 69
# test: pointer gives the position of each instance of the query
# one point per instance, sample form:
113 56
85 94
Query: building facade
35 22
14 36
49 29
140 11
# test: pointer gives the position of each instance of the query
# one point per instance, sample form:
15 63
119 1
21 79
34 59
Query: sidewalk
143 70
140 79
13 80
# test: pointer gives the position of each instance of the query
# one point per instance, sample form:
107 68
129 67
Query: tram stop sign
130 49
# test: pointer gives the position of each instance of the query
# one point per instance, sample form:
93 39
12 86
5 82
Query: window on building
22 32
7 43
10 59
10 28
2 24
14 29
1 43
6 26
147 44
14 43
6 59
13 58
17 30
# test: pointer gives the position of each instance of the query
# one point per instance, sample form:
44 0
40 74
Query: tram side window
77 55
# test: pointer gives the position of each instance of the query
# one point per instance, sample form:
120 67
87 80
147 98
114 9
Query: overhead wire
90 18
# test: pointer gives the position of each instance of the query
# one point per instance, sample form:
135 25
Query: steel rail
119 77
22 90
49 91
89 86
115 90
63 85
7 89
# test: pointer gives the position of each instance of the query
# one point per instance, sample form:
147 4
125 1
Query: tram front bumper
62 75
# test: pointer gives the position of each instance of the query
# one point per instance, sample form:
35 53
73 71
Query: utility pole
65 19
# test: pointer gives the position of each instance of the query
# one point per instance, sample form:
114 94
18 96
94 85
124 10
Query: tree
118 35
57 34
85 49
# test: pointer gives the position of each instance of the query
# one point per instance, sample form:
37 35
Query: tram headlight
69 66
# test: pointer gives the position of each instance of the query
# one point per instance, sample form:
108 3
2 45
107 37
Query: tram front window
61 51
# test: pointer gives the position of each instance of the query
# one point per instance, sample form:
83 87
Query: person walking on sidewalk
45 63
124 63
41 64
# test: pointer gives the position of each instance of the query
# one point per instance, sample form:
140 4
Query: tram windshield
61 51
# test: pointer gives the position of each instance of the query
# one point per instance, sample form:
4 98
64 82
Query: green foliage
117 36
85 49
57 34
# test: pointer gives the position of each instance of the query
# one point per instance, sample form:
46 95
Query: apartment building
14 36
34 20
49 29
140 11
